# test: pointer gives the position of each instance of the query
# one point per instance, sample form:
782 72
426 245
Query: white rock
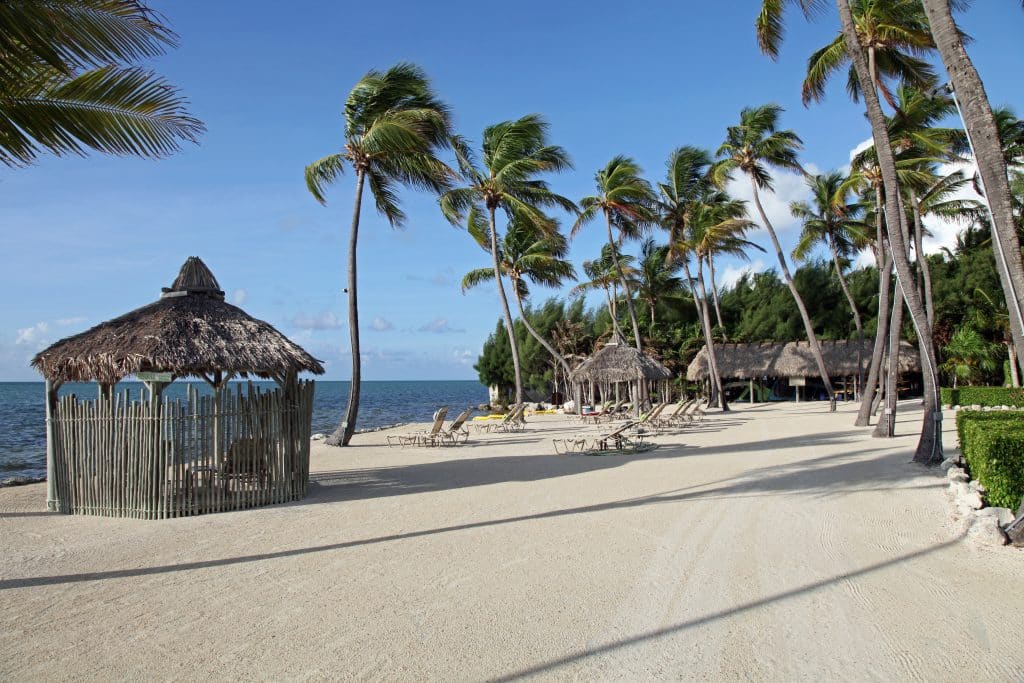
957 474
959 489
949 463
971 499
318 437
977 486
1002 515
985 530
975 406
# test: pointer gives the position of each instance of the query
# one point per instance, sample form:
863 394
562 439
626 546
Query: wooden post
751 391
52 502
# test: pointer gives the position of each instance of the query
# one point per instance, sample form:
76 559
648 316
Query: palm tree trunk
611 312
536 335
886 426
857 323
505 310
714 290
709 343
625 283
867 404
343 434
984 136
922 260
709 336
1014 375
929 447
812 339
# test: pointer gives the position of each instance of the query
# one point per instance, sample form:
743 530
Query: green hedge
993 446
983 396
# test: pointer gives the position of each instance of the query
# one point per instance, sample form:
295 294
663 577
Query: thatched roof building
793 359
619 362
189 331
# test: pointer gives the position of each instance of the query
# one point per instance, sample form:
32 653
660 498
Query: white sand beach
774 542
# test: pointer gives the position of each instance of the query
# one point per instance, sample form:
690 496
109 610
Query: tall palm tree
68 82
658 281
727 239
751 148
983 130
687 182
514 153
526 253
394 128
834 222
604 275
626 200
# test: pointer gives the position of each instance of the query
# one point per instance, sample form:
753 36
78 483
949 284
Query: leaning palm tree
394 128
68 82
514 153
626 200
769 31
604 275
727 238
751 148
526 253
835 223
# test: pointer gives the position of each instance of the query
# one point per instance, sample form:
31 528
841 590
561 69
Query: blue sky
87 239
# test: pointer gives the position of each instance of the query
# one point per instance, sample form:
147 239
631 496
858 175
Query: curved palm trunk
625 283
710 337
984 137
886 426
812 339
505 309
884 261
714 290
857 323
714 379
612 313
536 335
929 447
343 434
922 261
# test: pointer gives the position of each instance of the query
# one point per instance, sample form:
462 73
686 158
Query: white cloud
325 320
789 187
944 232
35 335
439 326
728 276
240 297
380 324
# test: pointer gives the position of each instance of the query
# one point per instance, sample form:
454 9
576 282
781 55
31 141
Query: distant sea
381 404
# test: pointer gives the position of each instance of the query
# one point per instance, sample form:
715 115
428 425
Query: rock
484 407
971 500
957 474
945 406
985 530
1002 515
975 406
977 486
318 437
949 463
959 489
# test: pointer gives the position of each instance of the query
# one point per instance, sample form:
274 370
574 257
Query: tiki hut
154 458
793 360
618 371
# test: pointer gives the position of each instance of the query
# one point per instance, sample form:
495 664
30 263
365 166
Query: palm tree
895 35
687 182
833 222
626 200
983 130
527 253
604 275
68 84
658 280
769 30
969 356
752 147
394 127
514 153
727 239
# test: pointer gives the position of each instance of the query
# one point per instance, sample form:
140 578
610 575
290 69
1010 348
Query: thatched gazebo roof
619 362
792 359
189 331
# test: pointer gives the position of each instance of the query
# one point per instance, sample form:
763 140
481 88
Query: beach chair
500 424
416 438
517 421
677 417
246 463
597 414
619 440
454 434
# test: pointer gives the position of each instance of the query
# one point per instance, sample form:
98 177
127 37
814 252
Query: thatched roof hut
615 364
793 359
189 331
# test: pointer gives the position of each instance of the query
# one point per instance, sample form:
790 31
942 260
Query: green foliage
985 397
993 445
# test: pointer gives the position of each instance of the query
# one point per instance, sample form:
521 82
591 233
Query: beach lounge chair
619 440
420 437
454 434
246 463
677 417
517 421
493 425
596 415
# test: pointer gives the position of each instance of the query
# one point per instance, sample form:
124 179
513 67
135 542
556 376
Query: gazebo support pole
751 391
51 466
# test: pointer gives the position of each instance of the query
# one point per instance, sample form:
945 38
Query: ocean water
23 412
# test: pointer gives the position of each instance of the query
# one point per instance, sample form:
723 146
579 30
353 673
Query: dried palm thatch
618 362
792 359
189 331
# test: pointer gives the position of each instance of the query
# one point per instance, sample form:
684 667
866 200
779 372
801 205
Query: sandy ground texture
774 542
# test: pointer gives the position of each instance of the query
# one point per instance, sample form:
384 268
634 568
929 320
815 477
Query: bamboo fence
153 459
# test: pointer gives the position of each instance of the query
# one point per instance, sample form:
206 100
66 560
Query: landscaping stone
1002 515
985 530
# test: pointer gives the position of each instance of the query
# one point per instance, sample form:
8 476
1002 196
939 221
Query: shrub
993 446
984 396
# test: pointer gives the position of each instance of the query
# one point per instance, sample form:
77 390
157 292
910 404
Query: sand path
775 542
